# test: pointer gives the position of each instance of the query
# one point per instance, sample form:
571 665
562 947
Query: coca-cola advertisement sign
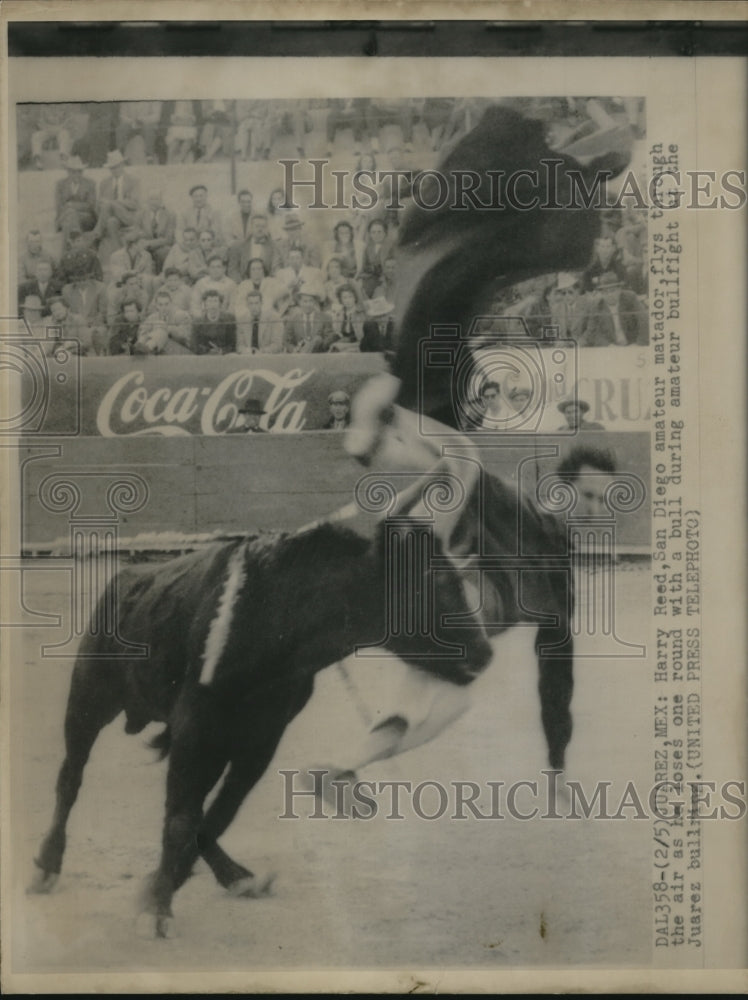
135 397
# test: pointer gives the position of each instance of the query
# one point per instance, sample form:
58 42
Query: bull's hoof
253 886
150 926
43 881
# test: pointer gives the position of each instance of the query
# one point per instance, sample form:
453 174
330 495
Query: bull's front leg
198 757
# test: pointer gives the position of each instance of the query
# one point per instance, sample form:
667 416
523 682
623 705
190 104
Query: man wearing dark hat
295 238
340 411
252 411
75 200
573 411
200 215
630 320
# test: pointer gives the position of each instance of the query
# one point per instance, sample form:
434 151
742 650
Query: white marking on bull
219 628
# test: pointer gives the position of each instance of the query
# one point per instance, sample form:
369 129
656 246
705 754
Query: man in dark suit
379 328
257 245
75 200
42 285
309 330
158 226
215 332
630 319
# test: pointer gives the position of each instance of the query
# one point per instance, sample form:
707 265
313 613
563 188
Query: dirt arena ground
494 893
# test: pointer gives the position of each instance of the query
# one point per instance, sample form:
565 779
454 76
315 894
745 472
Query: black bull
236 633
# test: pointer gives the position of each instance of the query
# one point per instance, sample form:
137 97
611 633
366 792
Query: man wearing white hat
308 329
119 197
379 328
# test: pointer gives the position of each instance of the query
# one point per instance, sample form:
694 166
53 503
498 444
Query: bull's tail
161 742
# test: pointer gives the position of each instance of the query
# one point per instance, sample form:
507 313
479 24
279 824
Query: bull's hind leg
197 758
95 700
247 767
556 684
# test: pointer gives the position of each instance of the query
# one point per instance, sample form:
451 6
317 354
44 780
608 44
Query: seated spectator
573 411
606 256
176 322
340 411
186 257
200 215
238 222
631 239
258 244
298 275
119 198
376 251
496 411
31 256
74 333
132 257
52 125
129 287
179 291
181 135
31 311
85 297
295 238
75 201
78 257
158 226
308 328
208 247
253 133
215 280
335 280
630 318
348 251
387 289
348 319
42 286
215 331
123 333
218 127
138 118
274 293
259 330
276 214
583 318
379 328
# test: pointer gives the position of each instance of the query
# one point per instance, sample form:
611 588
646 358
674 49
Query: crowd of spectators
134 276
